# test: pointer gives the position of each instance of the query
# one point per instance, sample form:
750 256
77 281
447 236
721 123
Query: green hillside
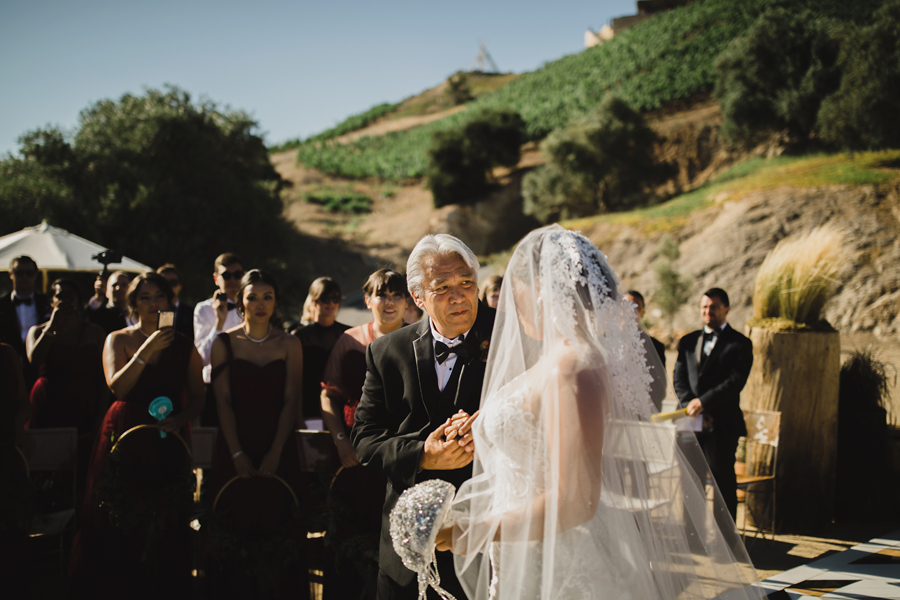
667 58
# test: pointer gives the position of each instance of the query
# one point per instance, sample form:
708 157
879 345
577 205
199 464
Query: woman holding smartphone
257 374
141 363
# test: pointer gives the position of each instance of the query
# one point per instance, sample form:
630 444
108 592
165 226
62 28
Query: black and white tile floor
864 572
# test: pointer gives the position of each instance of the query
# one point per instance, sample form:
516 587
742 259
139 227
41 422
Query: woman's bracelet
139 360
236 454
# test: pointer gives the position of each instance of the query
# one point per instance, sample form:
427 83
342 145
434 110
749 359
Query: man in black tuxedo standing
712 367
21 310
417 379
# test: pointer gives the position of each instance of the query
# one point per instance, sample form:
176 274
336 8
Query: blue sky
296 67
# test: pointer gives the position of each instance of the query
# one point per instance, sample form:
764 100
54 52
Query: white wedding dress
562 503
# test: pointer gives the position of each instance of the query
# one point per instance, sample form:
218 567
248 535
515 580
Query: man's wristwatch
341 436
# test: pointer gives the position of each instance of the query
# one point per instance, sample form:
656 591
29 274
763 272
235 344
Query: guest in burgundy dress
257 374
318 338
361 488
141 364
66 352
14 412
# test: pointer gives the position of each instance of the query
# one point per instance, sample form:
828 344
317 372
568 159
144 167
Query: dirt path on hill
384 126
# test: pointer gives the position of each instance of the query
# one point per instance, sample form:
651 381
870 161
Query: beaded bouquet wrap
415 520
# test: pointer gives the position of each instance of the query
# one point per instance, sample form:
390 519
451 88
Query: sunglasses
229 275
329 300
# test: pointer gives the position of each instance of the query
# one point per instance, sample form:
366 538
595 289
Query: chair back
763 426
763 430
318 454
203 443
54 448
657 439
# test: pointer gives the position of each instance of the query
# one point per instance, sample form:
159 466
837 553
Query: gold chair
55 450
763 428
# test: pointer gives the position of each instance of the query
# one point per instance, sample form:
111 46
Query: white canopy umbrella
55 249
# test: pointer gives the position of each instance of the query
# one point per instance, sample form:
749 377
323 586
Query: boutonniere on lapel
483 348
478 349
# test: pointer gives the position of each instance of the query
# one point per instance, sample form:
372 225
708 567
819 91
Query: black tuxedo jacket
401 404
9 321
719 381
184 320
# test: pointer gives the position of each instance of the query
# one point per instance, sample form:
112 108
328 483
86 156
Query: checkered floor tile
865 572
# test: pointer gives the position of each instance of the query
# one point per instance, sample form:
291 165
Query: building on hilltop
646 9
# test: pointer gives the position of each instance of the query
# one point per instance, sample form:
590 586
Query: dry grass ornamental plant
798 277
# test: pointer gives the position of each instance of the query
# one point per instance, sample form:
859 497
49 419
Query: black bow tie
17 301
442 351
710 334
231 305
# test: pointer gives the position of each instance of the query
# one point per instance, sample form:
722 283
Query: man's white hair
441 244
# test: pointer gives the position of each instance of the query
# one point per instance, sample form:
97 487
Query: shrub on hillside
461 160
863 113
775 76
601 162
158 177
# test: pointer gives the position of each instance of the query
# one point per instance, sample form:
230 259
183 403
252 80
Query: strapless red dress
103 558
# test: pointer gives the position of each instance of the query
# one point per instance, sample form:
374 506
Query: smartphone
166 319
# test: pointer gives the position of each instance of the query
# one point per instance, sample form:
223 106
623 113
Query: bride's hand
461 429
455 422
444 540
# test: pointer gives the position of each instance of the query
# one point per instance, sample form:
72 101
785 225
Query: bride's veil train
575 493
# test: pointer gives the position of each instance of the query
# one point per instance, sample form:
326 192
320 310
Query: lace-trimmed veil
575 494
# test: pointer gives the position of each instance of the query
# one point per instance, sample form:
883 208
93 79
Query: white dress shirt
445 370
205 332
26 314
711 342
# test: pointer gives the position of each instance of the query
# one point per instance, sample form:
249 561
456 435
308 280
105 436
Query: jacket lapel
428 384
473 373
698 351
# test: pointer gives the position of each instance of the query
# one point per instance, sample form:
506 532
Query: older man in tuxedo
712 367
417 379
21 310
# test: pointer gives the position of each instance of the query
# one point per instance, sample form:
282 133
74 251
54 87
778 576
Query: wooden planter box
797 373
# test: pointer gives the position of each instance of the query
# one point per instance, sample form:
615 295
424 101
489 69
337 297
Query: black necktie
442 351
17 301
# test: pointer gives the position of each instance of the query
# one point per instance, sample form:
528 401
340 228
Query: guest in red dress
141 363
359 487
257 376
66 352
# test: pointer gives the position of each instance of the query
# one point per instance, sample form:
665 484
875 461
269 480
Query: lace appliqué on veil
577 276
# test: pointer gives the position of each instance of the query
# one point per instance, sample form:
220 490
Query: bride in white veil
575 494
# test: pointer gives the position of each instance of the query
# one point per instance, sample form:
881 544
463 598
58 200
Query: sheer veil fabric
575 494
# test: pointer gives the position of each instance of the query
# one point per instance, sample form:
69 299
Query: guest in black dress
318 338
256 375
66 352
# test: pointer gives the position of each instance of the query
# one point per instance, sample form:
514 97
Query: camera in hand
221 296
106 258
